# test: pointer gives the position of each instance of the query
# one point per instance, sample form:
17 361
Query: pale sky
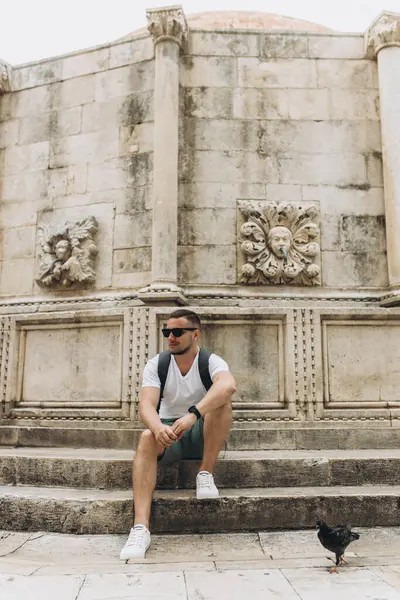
35 29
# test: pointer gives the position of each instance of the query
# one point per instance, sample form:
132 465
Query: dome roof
250 20
241 20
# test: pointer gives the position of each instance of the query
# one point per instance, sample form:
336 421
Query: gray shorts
190 446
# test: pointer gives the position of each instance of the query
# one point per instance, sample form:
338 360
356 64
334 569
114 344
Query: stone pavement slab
40 588
157 586
354 583
237 585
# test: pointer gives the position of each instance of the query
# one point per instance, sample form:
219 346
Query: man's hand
165 435
183 424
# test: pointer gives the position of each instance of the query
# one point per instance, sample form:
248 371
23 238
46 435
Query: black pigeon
336 539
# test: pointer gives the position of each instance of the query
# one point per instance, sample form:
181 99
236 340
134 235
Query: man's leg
144 475
217 425
144 481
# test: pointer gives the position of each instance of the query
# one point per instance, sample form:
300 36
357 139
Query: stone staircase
268 479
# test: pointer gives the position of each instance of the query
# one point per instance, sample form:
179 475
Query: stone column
169 29
383 42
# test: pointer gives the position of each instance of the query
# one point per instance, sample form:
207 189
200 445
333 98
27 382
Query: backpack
164 360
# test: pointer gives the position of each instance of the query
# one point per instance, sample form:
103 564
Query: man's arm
149 397
224 386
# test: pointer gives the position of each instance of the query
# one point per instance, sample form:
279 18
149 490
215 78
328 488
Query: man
176 432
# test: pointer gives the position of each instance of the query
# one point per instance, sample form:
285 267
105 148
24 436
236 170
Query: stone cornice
167 24
5 78
384 32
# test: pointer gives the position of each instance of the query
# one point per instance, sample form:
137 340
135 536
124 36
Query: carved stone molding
5 78
384 31
67 255
279 243
167 24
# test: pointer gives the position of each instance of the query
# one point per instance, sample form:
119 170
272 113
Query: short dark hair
189 315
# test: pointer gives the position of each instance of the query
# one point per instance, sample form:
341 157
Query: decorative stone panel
278 243
67 255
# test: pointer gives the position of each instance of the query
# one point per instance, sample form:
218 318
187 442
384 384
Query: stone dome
250 20
241 20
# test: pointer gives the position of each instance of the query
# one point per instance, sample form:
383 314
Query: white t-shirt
180 392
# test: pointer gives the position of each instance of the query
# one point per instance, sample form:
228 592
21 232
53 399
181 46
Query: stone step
111 469
84 511
244 436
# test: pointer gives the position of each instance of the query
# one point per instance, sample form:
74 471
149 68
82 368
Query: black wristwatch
194 410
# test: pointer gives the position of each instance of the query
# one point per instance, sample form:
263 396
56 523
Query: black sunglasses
176 331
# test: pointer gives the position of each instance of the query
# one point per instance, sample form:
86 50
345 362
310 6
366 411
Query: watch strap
194 410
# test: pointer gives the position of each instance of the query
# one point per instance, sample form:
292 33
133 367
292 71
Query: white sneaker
205 486
137 543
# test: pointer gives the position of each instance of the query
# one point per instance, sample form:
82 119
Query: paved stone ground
265 565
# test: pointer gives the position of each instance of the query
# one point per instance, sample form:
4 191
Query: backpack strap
164 360
204 357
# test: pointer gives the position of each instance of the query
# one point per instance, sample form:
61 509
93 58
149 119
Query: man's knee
147 441
224 412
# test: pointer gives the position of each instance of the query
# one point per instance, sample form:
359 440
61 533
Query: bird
336 539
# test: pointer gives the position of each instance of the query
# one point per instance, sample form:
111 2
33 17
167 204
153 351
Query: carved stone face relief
67 254
279 243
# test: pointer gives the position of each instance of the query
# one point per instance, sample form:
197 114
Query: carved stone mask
280 238
62 250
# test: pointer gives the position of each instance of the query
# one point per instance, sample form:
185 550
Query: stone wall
281 117
76 140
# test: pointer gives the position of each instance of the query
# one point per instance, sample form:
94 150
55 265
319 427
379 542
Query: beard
180 352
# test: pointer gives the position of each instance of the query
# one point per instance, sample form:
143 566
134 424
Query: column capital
167 23
5 77
383 32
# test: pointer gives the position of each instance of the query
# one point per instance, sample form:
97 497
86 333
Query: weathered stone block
197 71
289 45
210 43
25 186
207 103
217 195
17 277
328 169
348 199
362 269
240 167
107 175
336 46
223 134
20 159
296 73
362 233
77 179
73 92
345 74
53 124
130 200
132 260
374 168
131 280
130 52
124 81
205 227
220 261
276 192
252 103
9 133
84 148
354 104
74 200
35 75
308 104
18 242
85 63
132 230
